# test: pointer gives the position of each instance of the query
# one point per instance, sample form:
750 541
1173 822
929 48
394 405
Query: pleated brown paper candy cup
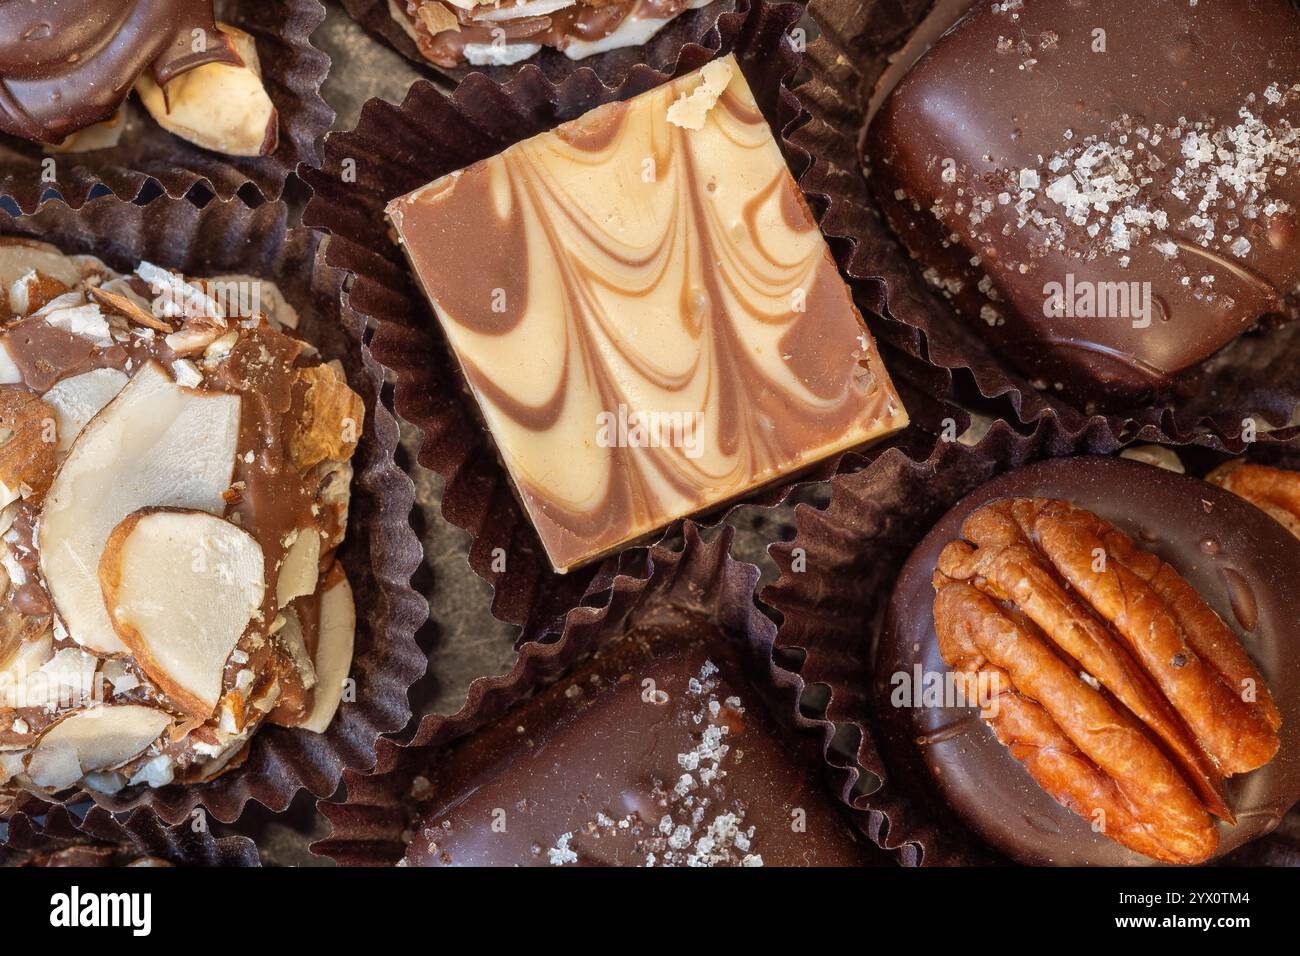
698 587
1255 375
292 72
836 579
395 149
686 42
45 828
381 551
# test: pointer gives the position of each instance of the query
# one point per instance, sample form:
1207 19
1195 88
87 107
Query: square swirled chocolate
647 314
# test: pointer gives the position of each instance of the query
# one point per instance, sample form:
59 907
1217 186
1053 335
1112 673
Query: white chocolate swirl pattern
623 266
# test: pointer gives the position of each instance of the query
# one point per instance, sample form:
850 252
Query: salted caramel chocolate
1123 641
646 312
452 33
1109 193
174 485
655 753
66 70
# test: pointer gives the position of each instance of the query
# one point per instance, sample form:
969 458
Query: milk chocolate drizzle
67 64
622 261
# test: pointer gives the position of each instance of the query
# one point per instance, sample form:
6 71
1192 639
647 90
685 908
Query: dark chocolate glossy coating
1240 560
587 772
1065 128
67 64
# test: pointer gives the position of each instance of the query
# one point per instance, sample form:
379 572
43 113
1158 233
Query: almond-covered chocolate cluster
174 486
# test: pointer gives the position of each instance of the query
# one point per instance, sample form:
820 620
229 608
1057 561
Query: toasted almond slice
156 444
78 399
300 568
332 419
89 740
338 627
127 306
181 587
218 106
28 436
27 658
18 257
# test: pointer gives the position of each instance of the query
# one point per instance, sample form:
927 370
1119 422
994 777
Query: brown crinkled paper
695 36
381 551
832 613
1253 375
292 71
395 149
696 585
43 828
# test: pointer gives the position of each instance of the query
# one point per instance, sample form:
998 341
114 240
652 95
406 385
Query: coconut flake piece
691 108
89 740
156 444
300 568
181 587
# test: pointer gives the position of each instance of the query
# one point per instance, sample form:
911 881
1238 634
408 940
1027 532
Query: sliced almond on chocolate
331 422
9 372
21 256
155 444
78 399
28 437
338 628
127 305
218 106
89 740
181 588
25 659
300 567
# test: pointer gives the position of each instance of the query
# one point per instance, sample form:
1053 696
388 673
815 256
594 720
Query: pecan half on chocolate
1117 686
1274 491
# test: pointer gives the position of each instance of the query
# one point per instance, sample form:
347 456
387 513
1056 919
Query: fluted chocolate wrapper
696 592
292 73
686 42
380 552
1251 376
837 579
44 834
396 149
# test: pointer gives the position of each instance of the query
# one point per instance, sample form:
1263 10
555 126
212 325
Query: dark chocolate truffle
1108 191
1241 562
656 752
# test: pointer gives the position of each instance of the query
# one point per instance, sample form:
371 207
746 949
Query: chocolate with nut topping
647 314
655 753
1109 193
1100 672
155 423
65 65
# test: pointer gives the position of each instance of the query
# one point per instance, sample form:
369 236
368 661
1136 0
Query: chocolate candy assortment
617 305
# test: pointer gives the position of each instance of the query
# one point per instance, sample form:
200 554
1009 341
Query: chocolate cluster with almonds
452 33
66 70
1129 636
174 486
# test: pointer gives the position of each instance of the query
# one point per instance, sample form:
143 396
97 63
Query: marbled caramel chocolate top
623 270
65 64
